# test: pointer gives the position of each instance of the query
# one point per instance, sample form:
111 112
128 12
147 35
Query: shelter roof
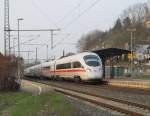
110 52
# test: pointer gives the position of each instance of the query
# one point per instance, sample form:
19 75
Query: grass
25 104
143 77
8 99
146 77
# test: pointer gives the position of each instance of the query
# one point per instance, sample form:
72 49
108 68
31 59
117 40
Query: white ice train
85 66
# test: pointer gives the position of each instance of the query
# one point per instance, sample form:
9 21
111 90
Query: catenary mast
6 28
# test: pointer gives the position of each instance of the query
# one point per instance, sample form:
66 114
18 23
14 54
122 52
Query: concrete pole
131 44
28 56
131 52
47 52
14 45
19 73
51 40
36 56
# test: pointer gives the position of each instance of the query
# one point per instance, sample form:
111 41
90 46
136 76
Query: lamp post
19 19
131 46
19 70
14 45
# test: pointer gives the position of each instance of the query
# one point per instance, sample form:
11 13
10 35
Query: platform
131 83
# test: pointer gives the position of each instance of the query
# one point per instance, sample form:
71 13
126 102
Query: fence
125 72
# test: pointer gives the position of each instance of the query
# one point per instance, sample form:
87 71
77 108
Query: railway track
126 107
108 87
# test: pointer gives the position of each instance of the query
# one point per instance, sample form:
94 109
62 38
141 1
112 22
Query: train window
92 63
63 66
67 65
91 57
92 60
76 65
59 66
48 67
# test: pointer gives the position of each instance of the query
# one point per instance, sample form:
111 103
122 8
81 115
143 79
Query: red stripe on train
77 70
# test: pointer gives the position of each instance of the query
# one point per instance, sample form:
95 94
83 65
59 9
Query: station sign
132 56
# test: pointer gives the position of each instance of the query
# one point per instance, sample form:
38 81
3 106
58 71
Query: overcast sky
73 17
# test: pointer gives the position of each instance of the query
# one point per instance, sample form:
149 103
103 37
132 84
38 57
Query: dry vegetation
8 73
118 36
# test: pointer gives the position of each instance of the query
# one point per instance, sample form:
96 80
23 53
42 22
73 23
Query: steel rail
145 107
104 97
131 113
108 87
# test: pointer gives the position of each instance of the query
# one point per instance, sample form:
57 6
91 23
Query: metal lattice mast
6 28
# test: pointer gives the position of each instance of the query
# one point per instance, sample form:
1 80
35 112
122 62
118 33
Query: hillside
133 18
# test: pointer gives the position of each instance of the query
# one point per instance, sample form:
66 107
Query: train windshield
91 60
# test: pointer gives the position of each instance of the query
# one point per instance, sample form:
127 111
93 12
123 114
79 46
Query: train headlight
89 70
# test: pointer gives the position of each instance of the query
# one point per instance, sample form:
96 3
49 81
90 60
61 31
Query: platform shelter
111 54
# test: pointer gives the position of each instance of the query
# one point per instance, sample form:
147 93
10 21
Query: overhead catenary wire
29 40
47 17
58 43
72 21
42 12
71 11
25 36
67 43
75 19
82 13
79 15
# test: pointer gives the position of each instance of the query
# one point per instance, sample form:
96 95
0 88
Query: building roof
110 52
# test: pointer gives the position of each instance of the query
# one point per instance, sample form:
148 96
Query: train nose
95 73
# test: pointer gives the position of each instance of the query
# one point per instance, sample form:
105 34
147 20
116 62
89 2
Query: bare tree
137 13
91 41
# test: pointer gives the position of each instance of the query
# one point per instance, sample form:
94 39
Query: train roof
75 57
66 59
46 63
80 54
40 65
